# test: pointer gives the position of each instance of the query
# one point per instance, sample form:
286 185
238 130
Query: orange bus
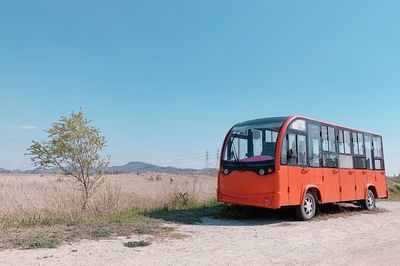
298 161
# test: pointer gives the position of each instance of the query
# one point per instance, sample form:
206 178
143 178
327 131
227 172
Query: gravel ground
361 239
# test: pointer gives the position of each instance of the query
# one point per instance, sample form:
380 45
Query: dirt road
358 240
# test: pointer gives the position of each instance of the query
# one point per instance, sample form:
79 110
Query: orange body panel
288 184
362 178
330 185
299 178
347 185
380 183
248 188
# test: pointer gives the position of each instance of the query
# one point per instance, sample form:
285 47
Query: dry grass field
29 199
44 211
145 219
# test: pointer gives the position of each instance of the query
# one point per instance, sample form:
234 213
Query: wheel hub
370 201
308 206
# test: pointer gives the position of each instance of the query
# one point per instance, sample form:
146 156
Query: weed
136 244
100 232
38 241
189 214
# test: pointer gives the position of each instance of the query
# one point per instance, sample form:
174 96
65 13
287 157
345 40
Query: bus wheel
369 202
306 211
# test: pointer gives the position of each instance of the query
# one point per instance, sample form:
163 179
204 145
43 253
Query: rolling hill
131 167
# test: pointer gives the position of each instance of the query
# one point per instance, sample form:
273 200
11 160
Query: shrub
33 242
135 244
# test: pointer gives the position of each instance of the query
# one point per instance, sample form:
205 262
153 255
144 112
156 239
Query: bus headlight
226 171
261 172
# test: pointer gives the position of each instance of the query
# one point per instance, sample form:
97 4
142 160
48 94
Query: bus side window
329 154
302 150
292 149
345 156
368 151
358 147
379 164
314 150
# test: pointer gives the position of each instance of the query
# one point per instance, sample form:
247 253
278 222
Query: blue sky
164 80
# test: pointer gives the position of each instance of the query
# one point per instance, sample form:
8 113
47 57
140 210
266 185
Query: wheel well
315 192
373 189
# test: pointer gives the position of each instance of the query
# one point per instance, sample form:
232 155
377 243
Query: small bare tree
75 147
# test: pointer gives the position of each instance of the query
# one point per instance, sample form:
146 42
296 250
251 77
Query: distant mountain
34 171
131 167
4 171
147 167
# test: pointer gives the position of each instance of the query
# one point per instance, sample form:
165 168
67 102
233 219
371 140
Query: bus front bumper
267 200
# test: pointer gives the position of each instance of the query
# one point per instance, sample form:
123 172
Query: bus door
331 177
361 173
331 184
347 185
299 173
347 176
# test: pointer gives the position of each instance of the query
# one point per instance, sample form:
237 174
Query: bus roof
291 118
263 120
283 119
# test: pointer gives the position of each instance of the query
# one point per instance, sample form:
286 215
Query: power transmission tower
207 160
217 159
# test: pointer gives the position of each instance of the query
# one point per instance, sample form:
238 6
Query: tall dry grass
47 199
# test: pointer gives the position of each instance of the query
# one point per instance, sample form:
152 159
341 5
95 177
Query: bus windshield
253 141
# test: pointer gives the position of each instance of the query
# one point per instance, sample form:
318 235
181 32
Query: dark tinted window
359 163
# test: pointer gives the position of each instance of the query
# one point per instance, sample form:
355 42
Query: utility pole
207 160
217 159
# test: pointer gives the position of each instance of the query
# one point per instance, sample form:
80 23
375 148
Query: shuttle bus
301 162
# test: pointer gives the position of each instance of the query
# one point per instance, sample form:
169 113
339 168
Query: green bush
136 244
100 232
33 242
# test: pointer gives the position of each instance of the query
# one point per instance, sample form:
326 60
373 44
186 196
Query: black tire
369 202
307 210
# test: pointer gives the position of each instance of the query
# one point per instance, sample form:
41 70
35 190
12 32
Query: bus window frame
351 154
319 143
357 155
296 132
329 152
376 157
351 141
